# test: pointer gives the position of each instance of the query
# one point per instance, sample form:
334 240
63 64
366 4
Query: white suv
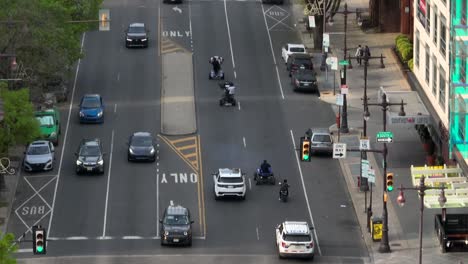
229 182
289 49
294 239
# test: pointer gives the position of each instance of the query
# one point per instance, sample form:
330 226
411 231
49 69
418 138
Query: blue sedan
91 109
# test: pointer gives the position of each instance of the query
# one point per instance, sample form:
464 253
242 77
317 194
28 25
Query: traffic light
39 240
389 181
305 149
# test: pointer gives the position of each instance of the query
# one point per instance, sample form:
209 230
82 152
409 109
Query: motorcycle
261 177
227 100
284 193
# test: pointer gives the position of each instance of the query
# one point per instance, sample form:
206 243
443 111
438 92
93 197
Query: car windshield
176 220
297 238
90 151
142 141
297 49
91 102
38 150
322 138
45 120
136 30
230 179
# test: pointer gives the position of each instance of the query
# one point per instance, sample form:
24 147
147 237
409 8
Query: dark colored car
304 80
141 146
39 156
90 157
91 109
295 61
173 1
136 36
176 226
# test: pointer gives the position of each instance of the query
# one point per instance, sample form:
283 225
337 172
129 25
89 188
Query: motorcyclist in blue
265 168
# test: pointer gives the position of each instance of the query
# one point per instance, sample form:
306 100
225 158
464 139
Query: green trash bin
376 228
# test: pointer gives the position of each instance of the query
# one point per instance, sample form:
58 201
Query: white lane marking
273 54
305 193
250 184
258 236
77 238
157 203
37 192
108 183
65 136
24 250
229 35
118 76
238 105
132 237
190 25
115 108
235 75
243 139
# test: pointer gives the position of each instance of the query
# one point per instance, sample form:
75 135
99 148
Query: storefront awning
415 111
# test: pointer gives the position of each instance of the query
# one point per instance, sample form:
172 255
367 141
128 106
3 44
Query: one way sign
339 150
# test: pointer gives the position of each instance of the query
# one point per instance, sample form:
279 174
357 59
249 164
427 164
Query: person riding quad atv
228 95
216 72
264 174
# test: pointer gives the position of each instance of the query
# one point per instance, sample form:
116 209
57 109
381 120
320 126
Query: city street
117 213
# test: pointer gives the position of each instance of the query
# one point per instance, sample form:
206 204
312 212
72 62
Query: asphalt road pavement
117 212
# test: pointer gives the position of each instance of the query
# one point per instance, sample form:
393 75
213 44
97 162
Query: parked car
91 109
39 156
90 157
229 183
141 146
176 226
294 239
49 122
136 36
289 49
295 61
305 80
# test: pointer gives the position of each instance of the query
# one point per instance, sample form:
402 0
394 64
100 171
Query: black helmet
264 161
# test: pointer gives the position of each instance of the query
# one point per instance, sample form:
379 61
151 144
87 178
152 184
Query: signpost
385 137
371 175
344 89
339 150
365 168
364 144
343 63
339 99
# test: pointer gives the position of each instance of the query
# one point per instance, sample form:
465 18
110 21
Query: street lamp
421 188
324 66
344 115
384 244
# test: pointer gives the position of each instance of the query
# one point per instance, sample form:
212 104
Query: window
435 25
416 51
463 69
428 64
434 75
442 88
428 18
443 36
463 13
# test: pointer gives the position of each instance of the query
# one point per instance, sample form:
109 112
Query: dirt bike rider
216 61
265 168
284 188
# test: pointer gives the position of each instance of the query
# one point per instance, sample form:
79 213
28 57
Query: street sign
344 89
365 168
371 175
339 150
364 144
385 136
333 62
311 21
326 39
339 99
344 62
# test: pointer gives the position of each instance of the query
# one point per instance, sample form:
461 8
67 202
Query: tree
43 36
7 248
19 125
317 11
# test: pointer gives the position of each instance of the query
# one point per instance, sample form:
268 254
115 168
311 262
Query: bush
404 47
406 52
401 36
410 64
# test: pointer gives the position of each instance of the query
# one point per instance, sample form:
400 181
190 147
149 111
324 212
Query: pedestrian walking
359 53
366 53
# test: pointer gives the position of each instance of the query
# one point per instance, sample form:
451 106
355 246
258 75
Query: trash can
376 228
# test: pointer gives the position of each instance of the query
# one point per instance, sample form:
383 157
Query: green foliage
46 40
405 48
19 124
399 37
7 249
411 64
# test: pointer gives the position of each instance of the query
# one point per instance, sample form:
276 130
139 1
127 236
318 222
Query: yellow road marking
202 187
187 147
191 155
185 139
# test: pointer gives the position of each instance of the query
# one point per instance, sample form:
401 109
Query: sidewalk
406 150
8 193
